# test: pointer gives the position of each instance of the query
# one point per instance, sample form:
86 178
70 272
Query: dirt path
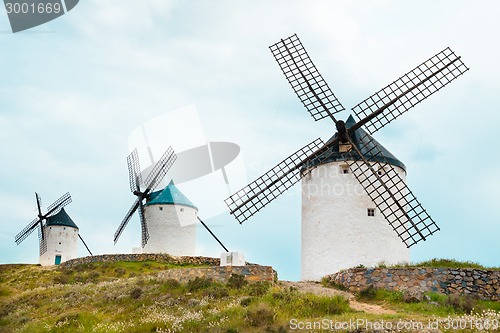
318 289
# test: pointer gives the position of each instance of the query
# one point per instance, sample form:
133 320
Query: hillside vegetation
129 297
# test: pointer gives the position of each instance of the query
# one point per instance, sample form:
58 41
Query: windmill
167 212
155 176
360 159
57 233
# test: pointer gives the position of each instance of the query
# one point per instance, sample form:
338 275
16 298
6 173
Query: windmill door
58 260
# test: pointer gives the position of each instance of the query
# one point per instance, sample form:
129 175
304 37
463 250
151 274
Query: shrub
171 284
236 281
93 277
120 271
216 292
61 279
246 301
462 303
260 315
136 293
258 288
198 283
367 294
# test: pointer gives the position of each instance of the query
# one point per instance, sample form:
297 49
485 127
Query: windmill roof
356 136
61 219
170 195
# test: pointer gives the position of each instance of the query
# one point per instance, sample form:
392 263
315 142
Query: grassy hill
129 297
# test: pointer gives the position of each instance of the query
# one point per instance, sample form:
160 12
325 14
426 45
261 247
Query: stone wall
159 257
483 283
251 272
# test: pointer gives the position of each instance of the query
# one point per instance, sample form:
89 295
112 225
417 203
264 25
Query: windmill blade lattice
144 225
410 89
42 240
389 193
127 217
160 169
58 205
27 231
158 172
253 197
134 171
306 81
38 204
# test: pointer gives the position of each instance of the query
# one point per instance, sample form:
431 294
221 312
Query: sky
73 90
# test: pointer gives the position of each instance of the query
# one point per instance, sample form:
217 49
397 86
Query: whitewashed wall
172 229
337 232
61 240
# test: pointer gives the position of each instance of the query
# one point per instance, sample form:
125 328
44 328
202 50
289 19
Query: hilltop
133 297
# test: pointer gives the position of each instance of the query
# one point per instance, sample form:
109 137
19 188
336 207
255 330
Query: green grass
442 263
129 297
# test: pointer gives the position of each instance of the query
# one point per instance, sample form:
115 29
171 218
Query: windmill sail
410 89
158 172
253 197
389 193
306 81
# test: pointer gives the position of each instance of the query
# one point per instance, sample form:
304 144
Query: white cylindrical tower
341 226
62 239
171 219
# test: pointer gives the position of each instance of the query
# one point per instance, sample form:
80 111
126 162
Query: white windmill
168 218
380 218
57 233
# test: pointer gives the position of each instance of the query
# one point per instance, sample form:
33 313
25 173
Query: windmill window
161 208
182 209
371 211
344 169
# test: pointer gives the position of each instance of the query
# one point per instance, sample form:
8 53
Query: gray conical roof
335 155
61 219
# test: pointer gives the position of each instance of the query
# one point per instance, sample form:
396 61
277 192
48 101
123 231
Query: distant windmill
342 230
57 233
154 178
167 216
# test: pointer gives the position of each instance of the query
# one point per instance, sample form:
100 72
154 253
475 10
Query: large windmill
57 233
341 230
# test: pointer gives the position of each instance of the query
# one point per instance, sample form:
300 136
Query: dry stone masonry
456 281
209 267
159 257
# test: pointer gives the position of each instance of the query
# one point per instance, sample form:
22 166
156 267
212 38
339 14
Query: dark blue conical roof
356 136
61 219
170 195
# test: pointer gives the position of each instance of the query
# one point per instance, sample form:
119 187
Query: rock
412 296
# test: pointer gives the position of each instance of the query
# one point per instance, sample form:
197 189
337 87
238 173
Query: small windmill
168 212
357 153
153 179
56 244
